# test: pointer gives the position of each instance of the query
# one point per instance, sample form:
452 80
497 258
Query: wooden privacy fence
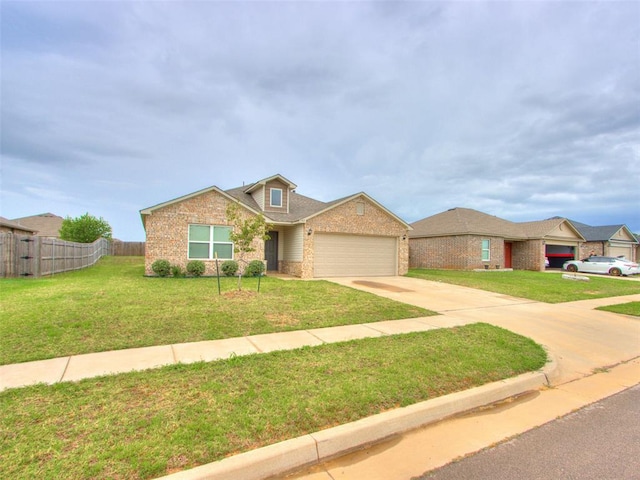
29 256
127 249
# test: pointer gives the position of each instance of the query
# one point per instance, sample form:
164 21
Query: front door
271 251
507 254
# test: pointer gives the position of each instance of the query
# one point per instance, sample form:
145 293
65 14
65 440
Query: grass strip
112 306
146 424
538 286
631 308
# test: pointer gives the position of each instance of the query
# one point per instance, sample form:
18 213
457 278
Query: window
207 240
360 208
486 248
276 197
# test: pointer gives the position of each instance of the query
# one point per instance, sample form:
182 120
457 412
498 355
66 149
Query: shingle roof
466 221
45 224
540 228
5 222
599 234
300 207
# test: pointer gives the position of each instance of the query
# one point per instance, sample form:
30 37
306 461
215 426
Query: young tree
84 229
245 231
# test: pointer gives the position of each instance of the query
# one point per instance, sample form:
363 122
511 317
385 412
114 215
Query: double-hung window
207 240
486 249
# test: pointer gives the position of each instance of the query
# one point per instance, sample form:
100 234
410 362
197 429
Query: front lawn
113 306
145 424
631 308
538 286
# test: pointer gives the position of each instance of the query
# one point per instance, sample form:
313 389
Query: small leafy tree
84 229
245 230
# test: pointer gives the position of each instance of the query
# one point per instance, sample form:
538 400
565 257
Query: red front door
507 254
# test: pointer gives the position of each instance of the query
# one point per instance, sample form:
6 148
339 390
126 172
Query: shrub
162 268
176 271
229 267
195 268
254 269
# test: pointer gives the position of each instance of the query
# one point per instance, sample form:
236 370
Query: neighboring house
10 226
45 224
608 240
466 239
354 235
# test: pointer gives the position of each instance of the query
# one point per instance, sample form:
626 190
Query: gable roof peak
252 187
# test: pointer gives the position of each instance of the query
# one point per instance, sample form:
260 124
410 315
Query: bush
254 269
162 268
176 271
229 267
195 268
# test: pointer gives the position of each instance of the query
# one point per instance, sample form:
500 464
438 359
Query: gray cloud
521 109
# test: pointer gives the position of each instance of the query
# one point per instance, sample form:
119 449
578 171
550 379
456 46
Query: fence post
37 256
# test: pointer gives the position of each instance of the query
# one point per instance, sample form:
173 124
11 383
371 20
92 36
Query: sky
520 109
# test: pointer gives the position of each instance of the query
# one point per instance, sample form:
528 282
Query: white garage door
354 255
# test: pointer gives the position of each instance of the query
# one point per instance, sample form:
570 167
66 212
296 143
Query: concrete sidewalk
77 367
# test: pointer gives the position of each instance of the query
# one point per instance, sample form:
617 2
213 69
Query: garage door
354 255
617 250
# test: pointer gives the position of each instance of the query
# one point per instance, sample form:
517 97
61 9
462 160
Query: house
44 224
466 239
309 238
9 226
608 240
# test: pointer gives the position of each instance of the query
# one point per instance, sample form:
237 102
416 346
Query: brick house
354 235
10 226
44 224
466 239
608 240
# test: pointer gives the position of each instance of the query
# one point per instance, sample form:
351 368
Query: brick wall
455 252
528 255
587 248
345 219
168 230
464 252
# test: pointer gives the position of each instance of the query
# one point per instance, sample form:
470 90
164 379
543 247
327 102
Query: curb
318 447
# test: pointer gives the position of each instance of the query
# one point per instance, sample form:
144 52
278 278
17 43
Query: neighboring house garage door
621 250
354 255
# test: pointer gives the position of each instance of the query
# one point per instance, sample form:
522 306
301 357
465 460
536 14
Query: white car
596 264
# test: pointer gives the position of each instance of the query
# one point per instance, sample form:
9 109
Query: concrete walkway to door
580 338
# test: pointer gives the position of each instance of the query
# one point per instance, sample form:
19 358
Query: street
600 441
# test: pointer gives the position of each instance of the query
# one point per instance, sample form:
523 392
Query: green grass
113 306
146 424
631 308
538 286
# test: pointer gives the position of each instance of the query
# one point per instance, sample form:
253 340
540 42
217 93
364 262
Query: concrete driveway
579 338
